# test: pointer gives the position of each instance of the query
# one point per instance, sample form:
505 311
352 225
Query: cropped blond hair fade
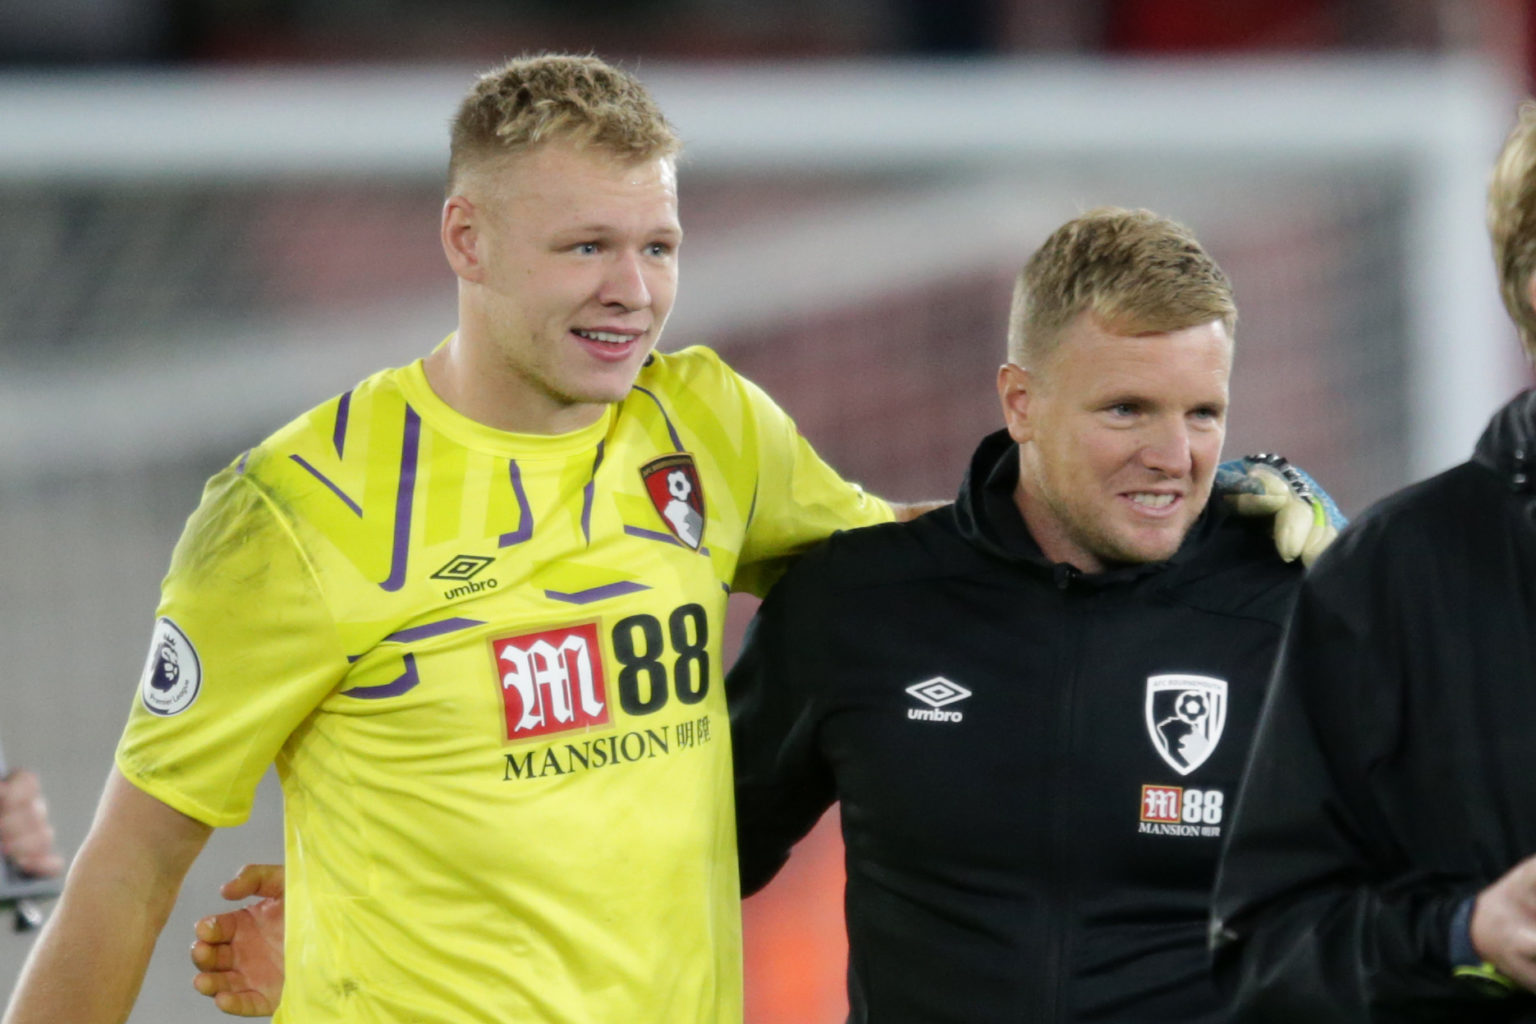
1512 222
532 100
1137 272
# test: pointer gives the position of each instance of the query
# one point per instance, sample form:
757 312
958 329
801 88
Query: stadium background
214 213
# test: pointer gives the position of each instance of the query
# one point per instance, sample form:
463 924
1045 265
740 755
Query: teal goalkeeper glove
1306 518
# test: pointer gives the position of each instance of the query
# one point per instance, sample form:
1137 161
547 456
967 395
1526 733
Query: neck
492 395
1046 527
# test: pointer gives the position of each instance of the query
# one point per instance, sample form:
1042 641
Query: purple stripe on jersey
406 636
403 499
356 509
586 496
240 466
343 407
665 538
677 442
407 681
596 593
524 513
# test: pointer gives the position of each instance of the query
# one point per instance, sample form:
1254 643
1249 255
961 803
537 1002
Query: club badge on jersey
672 481
1185 716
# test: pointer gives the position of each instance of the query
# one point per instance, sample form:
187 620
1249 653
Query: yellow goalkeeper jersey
488 669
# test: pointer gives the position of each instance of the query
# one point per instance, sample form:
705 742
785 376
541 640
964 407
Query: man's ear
460 232
1016 387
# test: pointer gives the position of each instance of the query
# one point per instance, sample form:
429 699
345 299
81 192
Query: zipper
1076 610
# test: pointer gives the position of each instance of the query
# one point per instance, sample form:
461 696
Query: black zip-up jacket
1395 772
1035 766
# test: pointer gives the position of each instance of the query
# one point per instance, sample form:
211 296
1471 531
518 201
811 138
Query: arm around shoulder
90 960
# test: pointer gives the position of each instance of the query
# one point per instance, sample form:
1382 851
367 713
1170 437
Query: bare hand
239 953
26 837
1504 924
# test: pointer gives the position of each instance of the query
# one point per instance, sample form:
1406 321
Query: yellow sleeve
799 498
244 648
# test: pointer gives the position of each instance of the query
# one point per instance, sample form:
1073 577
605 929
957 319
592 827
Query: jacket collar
1508 446
990 520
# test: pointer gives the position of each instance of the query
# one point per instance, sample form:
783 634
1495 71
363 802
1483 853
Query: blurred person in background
1382 861
472 609
1034 704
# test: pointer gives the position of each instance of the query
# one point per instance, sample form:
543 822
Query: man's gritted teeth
1152 500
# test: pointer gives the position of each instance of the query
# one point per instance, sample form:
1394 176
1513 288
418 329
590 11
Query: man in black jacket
1034 704
1379 867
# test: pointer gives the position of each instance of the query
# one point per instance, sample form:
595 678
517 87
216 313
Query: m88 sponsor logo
554 680
1181 810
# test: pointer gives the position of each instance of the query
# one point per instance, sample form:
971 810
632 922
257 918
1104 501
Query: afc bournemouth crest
1185 716
673 484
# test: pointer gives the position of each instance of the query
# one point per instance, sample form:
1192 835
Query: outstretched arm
239 953
90 959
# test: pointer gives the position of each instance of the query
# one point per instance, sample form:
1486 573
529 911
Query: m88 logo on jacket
1181 811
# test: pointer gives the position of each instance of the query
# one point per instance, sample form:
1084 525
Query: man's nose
1168 450
624 283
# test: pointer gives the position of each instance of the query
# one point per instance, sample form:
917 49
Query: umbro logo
463 569
938 693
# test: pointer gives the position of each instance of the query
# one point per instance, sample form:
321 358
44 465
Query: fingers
20 787
26 836
1317 542
1503 924
1258 504
264 880
1302 527
212 956
243 1004
231 996
1294 524
36 857
217 928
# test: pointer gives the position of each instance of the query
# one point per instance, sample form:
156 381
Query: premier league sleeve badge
173 674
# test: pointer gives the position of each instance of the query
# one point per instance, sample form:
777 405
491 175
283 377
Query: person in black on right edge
1380 867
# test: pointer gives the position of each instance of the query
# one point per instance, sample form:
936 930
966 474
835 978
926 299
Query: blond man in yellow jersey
472 610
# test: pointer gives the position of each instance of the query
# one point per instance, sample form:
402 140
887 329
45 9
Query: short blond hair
1137 272
1512 222
532 100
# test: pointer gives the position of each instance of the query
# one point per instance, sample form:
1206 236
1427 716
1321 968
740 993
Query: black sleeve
1319 914
783 785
